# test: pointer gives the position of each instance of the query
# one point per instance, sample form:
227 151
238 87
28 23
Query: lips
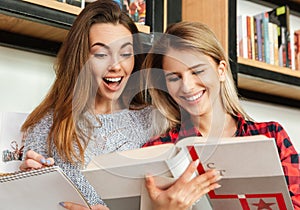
193 97
112 82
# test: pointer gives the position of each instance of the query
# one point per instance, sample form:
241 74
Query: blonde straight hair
187 36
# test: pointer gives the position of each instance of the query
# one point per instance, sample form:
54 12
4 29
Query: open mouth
112 81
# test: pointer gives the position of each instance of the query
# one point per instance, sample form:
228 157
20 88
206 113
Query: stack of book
266 37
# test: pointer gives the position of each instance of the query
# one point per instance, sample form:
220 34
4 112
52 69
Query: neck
105 106
216 123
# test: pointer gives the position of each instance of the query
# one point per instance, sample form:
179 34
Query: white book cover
252 177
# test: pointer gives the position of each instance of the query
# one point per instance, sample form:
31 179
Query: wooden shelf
268 79
54 4
269 67
29 28
269 87
47 21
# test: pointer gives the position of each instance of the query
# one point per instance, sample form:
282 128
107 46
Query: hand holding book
188 186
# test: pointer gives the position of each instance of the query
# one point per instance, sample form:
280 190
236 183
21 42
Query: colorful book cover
259 34
266 37
281 17
136 9
297 49
249 40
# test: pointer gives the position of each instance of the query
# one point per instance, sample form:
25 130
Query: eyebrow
196 66
107 47
189 68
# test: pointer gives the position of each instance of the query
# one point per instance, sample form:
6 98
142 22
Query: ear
222 70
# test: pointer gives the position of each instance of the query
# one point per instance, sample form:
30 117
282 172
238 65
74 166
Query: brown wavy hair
71 60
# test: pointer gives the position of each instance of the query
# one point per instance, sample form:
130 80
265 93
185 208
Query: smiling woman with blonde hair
190 82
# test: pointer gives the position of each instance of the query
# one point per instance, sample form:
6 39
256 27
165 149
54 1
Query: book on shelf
297 49
242 44
38 189
281 17
252 177
260 36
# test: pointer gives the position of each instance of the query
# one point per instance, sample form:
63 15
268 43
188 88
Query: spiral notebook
37 189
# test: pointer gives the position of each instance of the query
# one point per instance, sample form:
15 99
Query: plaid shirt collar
188 129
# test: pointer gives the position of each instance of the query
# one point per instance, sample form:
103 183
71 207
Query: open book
10 140
252 173
38 189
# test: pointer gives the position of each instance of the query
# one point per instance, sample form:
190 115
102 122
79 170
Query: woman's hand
34 160
185 191
74 206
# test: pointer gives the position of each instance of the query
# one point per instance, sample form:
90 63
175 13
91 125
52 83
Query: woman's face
193 80
112 56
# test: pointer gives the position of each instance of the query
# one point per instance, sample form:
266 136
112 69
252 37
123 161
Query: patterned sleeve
36 140
290 163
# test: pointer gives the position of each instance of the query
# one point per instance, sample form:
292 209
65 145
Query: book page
126 170
38 189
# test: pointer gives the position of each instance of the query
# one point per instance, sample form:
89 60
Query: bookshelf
38 25
254 79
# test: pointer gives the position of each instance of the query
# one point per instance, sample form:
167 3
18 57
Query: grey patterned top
123 130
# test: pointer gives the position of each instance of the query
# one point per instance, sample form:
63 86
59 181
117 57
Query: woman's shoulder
265 127
44 124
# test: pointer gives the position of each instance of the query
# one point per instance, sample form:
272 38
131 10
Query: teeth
114 79
195 97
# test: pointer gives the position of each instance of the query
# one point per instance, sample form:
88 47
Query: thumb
73 206
151 187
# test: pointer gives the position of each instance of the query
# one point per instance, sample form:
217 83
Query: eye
100 55
126 55
173 78
198 72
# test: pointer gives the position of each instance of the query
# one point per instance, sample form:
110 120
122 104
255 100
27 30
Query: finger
151 187
188 173
72 206
39 158
49 161
99 207
30 164
35 156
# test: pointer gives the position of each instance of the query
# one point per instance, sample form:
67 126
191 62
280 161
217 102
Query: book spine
275 37
259 34
271 42
297 49
242 36
266 37
252 36
249 44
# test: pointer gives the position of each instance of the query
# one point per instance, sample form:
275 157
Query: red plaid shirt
287 153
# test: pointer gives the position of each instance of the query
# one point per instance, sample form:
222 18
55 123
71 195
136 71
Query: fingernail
196 163
43 161
218 186
62 204
218 178
48 162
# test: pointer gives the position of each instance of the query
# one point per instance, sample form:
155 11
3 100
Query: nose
188 83
114 64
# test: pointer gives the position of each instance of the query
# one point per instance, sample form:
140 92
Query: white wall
288 117
25 78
